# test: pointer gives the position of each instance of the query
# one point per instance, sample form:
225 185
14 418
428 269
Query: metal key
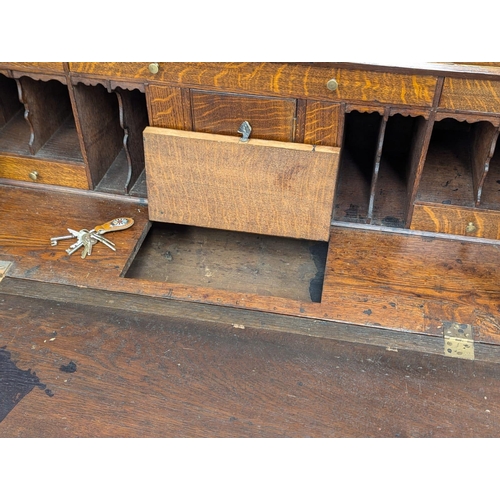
53 241
97 237
79 243
87 243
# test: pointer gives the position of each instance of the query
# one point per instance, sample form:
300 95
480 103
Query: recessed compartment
232 261
457 162
38 137
376 175
112 123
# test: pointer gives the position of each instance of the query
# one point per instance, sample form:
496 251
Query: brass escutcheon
33 175
470 228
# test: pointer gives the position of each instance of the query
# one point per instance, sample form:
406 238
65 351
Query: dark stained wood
98 121
421 293
447 172
265 187
9 99
483 147
47 106
323 123
490 195
376 162
114 374
169 107
226 260
417 158
270 118
133 120
398 279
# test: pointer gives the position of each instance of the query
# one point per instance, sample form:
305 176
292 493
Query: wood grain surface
401 282
97 373
270 118
290 80
471 95
265 187
456 220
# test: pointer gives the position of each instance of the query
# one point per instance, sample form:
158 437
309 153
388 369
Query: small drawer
270 117
456 220
43 172
37 67
471 95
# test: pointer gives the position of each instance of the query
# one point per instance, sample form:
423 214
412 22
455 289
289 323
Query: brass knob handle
332 84
154 68
470 228
34 175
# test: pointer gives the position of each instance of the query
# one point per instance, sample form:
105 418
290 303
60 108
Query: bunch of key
87 239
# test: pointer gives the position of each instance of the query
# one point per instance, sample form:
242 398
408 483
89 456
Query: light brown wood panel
168 107
290 80
270 118
471 95
323 123
456 220
51 67
48 172
266 187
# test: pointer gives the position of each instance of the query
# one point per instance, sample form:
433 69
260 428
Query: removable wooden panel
266 187
456 220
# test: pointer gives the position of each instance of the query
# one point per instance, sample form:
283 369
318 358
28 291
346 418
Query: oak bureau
347 200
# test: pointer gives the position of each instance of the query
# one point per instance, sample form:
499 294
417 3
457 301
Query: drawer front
43 172
263 187
456 220
471 95
270 118
290 80
38 67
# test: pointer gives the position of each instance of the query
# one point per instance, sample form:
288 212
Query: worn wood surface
402 282
265 187
490 194
83 371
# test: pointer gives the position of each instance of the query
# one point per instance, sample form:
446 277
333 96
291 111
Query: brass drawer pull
470 227
154 68
33 175
332 84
